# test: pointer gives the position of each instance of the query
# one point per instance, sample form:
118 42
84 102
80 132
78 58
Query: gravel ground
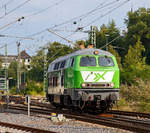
44 122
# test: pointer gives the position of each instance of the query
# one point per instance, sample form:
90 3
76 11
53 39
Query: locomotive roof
83 52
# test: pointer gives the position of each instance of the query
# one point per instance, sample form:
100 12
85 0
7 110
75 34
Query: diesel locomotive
85 79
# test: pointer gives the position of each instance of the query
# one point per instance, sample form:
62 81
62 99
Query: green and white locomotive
86 79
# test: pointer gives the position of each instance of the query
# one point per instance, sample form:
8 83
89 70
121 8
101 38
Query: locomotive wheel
103 106
81 104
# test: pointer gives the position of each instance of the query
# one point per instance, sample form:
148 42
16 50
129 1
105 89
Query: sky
61 16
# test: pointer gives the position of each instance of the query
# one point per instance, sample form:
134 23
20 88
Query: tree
115 53
135 65
138 24
78 44
134 59
12 72
107 34
56 50
37 67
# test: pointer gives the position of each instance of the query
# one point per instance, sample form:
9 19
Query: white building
24 57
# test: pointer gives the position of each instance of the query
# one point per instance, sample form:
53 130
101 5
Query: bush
13 91
34 88
137 94
129 76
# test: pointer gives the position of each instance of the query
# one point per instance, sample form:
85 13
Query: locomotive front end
99 81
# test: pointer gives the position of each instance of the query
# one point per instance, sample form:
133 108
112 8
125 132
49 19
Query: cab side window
72 62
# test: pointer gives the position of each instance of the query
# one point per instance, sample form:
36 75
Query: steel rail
24 128
140 126
128 113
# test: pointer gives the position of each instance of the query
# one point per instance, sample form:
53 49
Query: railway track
128 113
131 124
120 119
24 128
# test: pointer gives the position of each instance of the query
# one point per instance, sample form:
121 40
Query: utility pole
45 69
6 69
18 69
106 35
93 36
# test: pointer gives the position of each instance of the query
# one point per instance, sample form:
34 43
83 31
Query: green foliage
78 43
134 64
56 50
134 59
12 73
115 53
37 67
137 94
0 63
107 34
12 70
13 90
34 88
138 24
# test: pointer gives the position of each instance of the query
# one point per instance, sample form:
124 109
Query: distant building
24 57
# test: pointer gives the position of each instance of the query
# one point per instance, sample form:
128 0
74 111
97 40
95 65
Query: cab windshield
88 61
105 61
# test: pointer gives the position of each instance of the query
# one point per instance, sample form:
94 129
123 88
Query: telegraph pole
93 36
18 69
6 69
45 69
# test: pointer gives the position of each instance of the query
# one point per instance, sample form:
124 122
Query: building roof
11 58
24 55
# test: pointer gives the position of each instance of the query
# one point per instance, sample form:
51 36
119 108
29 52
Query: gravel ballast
44 122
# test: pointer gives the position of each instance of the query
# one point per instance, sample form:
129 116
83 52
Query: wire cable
83 15
19 6
110 42
19 19
27 38
49 30
110 11
43 10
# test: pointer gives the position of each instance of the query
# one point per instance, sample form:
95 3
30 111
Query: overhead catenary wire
19 19
43 10
65 22
17 7
110 42
49 30
37 33
36 13
6 4
27 38
44 30
83 15
110 11
100 8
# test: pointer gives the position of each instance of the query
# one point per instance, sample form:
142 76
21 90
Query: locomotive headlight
112 84
83 85
96 52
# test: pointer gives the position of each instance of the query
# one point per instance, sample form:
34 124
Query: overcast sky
42 14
